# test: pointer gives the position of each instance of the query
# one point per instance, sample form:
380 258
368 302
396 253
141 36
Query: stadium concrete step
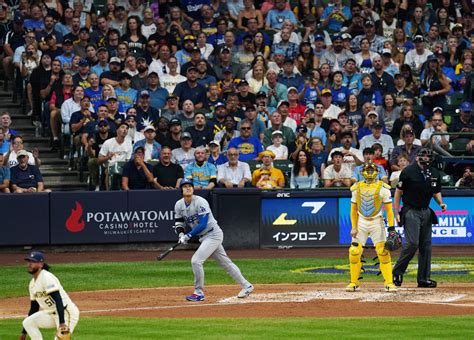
66 185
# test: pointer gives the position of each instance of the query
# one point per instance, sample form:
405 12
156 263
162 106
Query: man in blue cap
50 305
464 122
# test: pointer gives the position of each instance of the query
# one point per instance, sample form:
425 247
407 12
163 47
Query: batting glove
183 238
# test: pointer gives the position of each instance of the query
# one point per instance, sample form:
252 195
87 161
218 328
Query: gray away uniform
211 238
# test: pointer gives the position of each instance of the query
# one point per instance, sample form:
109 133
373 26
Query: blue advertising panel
25 219
455 226
301 222
90 217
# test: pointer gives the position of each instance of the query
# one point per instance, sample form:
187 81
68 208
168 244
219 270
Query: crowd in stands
238 93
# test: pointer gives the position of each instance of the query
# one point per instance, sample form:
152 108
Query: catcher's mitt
394 240
63 333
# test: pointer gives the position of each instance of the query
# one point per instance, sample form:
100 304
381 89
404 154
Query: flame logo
75 223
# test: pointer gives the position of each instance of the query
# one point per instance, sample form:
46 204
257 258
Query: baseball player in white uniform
193 217
50 307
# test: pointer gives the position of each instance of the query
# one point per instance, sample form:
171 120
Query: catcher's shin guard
385 262
355 264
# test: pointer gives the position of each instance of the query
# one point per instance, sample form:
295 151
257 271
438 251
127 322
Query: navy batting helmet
185 181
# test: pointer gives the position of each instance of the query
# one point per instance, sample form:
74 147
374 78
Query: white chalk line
229 302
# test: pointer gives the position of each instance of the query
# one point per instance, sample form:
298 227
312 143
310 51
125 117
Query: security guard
418 183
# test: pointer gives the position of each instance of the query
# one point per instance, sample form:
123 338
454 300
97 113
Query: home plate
365 295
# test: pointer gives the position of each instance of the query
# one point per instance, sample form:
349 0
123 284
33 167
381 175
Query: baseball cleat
246 292
352 287
397 280
195 298
427 284
390 287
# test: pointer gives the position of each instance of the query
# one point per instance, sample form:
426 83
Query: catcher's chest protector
369 201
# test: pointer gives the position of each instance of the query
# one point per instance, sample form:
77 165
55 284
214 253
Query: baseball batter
50 307
193 217
368 197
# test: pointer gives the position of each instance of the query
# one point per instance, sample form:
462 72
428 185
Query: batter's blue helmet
185 181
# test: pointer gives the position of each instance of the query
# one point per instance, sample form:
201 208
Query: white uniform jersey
193 212
41 288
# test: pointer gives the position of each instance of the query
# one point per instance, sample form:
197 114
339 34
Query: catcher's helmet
370 172
185 181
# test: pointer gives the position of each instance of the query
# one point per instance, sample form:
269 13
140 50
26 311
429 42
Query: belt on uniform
372 218
416 208
207 232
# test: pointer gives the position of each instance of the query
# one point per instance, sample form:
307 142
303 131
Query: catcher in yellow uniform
368 197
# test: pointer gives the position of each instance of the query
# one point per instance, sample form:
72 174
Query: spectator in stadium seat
379 159
440 144
277 124
233 173
267 176
337 174
369 155
378 136
402 162
318 155
277 15
145 112
465 121
376 41
407 117
216 157
191 90
111 77
137 174
389 111
435 85
229 132
202 173
26 177
381 80
17 145
172 78
187 114
351 156
125 94
167 175
4 143
185 154
416 57
201 132
402 94
171 110
274 90
280 150
249 147
467 179
118 149
174 136
151 147
140 80
331 111
409 148
103 64
303 174
4 176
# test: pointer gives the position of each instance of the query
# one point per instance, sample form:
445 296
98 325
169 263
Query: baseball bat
163 255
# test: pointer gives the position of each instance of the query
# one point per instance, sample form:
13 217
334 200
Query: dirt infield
60 255
301 300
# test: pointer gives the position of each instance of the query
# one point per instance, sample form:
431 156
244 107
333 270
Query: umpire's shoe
427 284
397 280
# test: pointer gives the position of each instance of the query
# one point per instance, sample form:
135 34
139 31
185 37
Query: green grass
452 327
93 276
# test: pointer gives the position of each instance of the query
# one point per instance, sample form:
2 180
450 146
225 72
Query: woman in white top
206 49
257 78
72 105
29 61
365 56
17 145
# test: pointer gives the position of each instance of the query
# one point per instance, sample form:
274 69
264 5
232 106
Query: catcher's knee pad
382 253
355 252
